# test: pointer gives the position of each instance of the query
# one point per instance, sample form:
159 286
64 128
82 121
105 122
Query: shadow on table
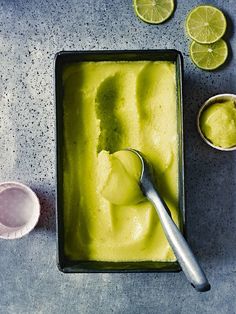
209 179
230 30
47 218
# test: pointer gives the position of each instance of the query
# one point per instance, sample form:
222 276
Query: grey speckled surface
31 32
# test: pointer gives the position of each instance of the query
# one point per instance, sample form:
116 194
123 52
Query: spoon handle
184 254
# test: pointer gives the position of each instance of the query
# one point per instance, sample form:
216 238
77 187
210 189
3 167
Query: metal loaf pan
64 59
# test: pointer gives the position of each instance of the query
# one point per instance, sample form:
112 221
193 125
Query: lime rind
154 11
206 24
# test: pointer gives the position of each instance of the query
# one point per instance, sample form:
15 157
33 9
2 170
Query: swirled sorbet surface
109 106
218 123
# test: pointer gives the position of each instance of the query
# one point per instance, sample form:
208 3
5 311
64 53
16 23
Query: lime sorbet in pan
119 177
109 106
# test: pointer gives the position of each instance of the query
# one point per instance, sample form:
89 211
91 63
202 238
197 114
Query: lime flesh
154 11
209 57
206 24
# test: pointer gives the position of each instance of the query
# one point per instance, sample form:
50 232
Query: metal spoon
184 254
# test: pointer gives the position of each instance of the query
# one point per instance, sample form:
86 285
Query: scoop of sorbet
218 124
119 175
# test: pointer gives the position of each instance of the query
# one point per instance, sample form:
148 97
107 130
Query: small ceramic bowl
19 210
207 103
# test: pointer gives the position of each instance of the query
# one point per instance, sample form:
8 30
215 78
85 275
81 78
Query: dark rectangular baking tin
63 59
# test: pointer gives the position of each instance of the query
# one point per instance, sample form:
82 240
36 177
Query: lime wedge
209 57
154 11
206 24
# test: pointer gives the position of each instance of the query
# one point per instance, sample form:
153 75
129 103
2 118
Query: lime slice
206 24
154 11
209 57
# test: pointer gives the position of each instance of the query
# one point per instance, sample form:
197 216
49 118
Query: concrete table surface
31 32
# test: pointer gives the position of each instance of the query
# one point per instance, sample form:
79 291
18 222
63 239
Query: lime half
206 24
209 57
154 11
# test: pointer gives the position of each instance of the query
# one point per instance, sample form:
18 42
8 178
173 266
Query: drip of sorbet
218 124
119 177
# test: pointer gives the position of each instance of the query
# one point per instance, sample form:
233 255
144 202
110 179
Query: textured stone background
31 32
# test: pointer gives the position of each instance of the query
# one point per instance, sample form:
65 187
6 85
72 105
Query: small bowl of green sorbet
216 122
